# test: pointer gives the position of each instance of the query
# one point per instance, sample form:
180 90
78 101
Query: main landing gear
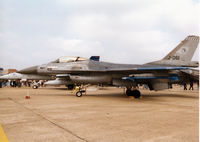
135 93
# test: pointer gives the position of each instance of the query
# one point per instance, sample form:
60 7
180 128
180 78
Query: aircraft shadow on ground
55 88
121 95
169 95
145 96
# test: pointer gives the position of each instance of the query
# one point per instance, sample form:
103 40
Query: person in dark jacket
1 84
185 86
191 85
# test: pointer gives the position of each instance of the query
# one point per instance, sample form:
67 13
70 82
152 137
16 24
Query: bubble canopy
68 59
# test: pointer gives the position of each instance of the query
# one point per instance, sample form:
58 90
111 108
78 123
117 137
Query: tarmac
104 115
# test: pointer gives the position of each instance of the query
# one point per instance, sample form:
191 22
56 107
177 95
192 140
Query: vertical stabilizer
185 50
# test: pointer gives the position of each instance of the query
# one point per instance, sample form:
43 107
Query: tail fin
185 50
95 58
182 54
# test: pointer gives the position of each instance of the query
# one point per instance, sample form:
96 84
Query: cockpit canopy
67 59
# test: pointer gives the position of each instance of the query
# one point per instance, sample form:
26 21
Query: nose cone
30 70
11 76
7 76
3 77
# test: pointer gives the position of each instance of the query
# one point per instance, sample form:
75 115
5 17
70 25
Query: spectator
191 85
1 84
185 86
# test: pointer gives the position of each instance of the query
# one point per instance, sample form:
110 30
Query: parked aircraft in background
156 74
26 77
19 76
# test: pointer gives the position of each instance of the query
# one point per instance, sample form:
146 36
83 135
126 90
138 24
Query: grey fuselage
93 72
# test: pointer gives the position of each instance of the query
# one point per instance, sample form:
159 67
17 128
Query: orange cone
28 95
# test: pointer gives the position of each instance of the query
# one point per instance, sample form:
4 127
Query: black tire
70 87
79 94
136 94
128 92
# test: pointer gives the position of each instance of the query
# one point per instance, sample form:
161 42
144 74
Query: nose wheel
135 93
70 86
80 91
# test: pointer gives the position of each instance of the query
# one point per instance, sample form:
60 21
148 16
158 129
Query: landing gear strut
70 86
135 93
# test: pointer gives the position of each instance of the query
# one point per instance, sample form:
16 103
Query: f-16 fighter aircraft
156 74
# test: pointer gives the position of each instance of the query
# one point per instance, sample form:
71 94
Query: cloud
75 45
129 31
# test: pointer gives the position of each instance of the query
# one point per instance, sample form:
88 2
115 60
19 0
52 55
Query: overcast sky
121 31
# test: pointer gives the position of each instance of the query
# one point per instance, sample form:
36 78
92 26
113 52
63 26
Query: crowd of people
19 83
191 86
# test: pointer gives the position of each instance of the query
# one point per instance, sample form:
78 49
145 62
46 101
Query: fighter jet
156 74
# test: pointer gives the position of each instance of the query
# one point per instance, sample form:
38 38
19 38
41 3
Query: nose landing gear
79 91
